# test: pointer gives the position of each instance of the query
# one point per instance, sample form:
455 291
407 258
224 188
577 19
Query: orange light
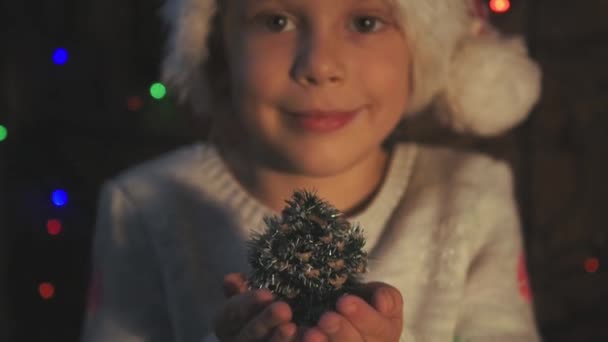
53 227
46 290
500 6
592 265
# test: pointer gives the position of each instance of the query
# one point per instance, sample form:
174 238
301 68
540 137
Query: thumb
384 298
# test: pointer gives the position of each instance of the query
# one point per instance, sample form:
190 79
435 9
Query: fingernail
390 301
349 308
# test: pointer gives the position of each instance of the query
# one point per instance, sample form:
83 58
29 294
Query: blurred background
80 101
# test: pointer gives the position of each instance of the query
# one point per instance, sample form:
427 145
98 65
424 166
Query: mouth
323 121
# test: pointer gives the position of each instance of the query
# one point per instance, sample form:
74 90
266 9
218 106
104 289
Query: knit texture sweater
443 229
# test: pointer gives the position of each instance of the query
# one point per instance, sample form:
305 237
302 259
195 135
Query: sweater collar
223 188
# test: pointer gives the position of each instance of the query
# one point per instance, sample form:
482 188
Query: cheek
388 77
258 82
260 75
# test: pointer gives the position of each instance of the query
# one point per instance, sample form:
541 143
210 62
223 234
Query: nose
318 60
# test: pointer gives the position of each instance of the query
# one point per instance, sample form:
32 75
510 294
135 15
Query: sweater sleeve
496 304
126 302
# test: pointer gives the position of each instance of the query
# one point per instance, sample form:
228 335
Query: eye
366 24
276 22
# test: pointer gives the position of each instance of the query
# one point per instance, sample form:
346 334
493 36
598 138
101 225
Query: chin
319 161
319 168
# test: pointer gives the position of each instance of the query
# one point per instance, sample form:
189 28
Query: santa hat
480 81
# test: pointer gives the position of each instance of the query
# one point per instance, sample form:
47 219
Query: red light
592 265
500 6
46 290
134 103
53 227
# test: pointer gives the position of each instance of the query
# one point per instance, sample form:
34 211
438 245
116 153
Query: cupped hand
252 315
374 315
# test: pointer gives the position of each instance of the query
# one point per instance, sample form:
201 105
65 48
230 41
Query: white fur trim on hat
482 83
492 86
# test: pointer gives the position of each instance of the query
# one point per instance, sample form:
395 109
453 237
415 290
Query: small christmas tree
308 257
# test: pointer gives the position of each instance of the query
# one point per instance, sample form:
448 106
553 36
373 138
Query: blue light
59 198
60 56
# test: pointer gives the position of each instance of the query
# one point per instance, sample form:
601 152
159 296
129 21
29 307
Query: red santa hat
480 81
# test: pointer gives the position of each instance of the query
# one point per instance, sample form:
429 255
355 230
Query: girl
306 94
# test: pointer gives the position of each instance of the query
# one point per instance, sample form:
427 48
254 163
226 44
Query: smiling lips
324 121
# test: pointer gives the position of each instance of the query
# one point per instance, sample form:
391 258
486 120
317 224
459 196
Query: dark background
70 127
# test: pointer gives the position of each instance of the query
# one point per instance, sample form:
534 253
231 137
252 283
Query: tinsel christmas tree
308 257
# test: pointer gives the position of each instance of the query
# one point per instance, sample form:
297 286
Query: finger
285 332
239 309
388 301
367 290
262 325
337 328
383 297
233 284
313 334
365 318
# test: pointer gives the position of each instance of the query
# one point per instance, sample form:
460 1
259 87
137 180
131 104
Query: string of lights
59 198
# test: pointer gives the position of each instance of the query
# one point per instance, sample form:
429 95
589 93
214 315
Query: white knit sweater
443 229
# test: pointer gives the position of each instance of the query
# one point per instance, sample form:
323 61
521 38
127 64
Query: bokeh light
53 227
158 91
134 103
59 197
60 56
592 265
500 6
46 290
3 133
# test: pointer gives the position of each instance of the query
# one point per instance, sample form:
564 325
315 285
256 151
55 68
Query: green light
3 133
158 91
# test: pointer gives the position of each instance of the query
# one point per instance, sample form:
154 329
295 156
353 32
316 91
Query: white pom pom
492 86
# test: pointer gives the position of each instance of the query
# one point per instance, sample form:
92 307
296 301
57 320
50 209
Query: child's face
290 57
